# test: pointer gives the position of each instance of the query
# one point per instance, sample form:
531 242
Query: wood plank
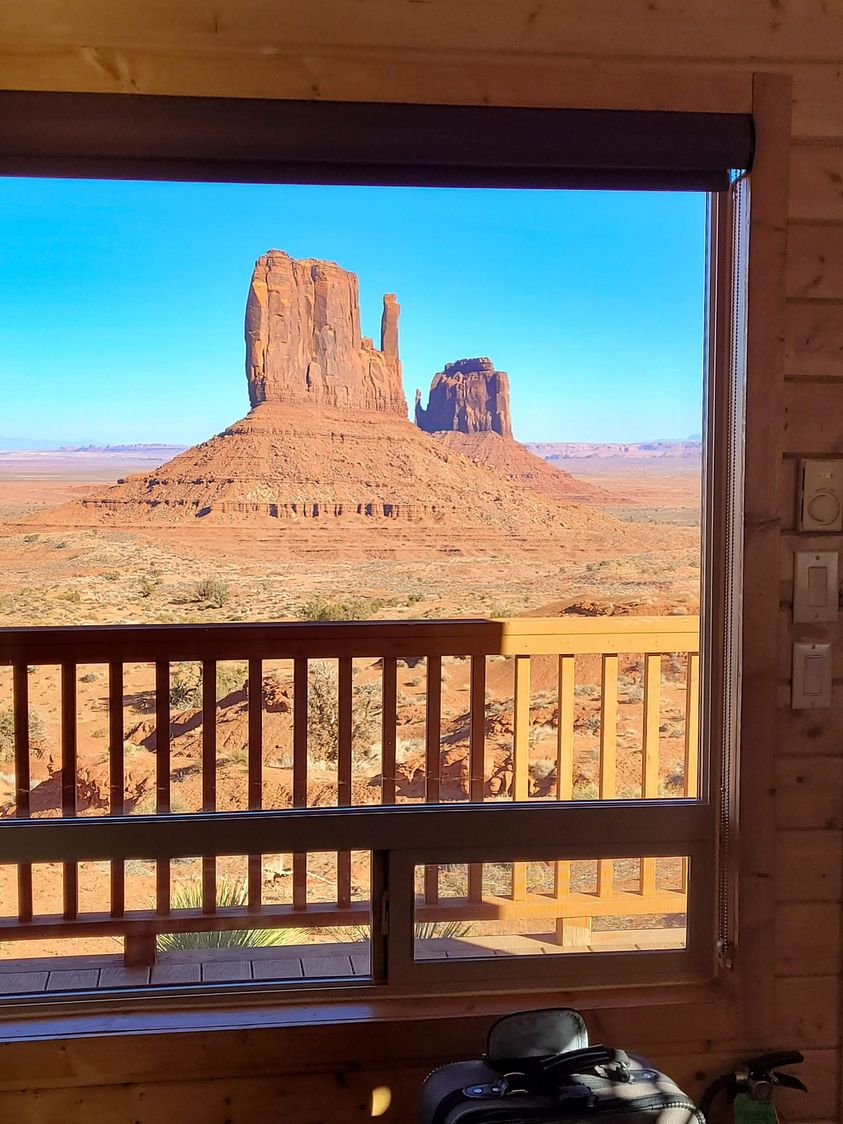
809 792
521 730
279 968
807 938
389 733
650 754
817 100
21 983
209 775
73 979
813 422
20 704
300 700
815 260
808 1010
813 340
433 730
692 725
70 871
765 297
173 972
117 796
219 971
809 866
565 729
119 976
326 966
474 28
816 182
345 765
477 759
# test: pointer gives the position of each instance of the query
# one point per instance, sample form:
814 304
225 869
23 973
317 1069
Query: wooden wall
598 52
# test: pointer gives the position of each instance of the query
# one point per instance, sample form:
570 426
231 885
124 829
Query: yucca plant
229 893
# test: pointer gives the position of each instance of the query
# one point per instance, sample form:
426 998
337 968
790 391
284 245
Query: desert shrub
185 687
542 768
323 725
586 690
213 591
633 694
71 595
7 733
353 609
30 538
589 723
406 747
229 893
61 545
111 576
230 677
148 584
89 677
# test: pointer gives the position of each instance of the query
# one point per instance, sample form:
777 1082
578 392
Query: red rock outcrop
328 441
468 410
469 396
303 340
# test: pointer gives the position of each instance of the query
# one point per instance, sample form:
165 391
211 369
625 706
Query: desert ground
197 575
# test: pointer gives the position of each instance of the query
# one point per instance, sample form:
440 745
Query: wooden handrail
564 638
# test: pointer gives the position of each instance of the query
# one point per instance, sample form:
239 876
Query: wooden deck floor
288 962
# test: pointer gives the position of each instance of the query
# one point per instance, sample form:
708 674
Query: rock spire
303 339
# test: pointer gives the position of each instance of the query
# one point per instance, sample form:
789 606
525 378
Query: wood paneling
816 178
813 418
809 790
708 31
814 339
815 260
807 866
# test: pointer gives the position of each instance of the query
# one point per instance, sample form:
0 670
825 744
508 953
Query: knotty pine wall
504 52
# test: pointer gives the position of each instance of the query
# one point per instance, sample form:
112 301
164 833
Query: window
516 777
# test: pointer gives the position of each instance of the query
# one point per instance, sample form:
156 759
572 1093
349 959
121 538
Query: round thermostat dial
824 507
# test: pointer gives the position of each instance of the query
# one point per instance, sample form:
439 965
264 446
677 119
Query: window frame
709 970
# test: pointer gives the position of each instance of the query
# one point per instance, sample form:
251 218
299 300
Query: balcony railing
589 671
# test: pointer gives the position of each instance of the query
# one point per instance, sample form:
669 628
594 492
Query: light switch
811 676
815 591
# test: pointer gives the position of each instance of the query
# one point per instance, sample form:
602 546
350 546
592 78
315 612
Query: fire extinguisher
750 1090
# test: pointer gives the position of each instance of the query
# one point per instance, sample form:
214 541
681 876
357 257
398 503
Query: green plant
213 591
442 930
185 687
111 576
230 893
7 733
323 726
354 609
72 595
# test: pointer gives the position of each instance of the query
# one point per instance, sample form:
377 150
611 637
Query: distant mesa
328 441
468 411
469 396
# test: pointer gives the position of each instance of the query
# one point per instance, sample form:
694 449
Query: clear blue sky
121 304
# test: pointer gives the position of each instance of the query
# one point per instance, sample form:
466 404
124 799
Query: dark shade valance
131 136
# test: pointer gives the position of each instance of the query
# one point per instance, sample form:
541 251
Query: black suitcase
539 1069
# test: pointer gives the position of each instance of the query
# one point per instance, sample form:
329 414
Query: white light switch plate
811 676
821 496
815 590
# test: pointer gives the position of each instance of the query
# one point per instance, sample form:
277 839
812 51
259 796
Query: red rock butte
328 440
468 411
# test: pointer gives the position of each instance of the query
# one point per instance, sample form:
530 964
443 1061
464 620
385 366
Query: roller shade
252 140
